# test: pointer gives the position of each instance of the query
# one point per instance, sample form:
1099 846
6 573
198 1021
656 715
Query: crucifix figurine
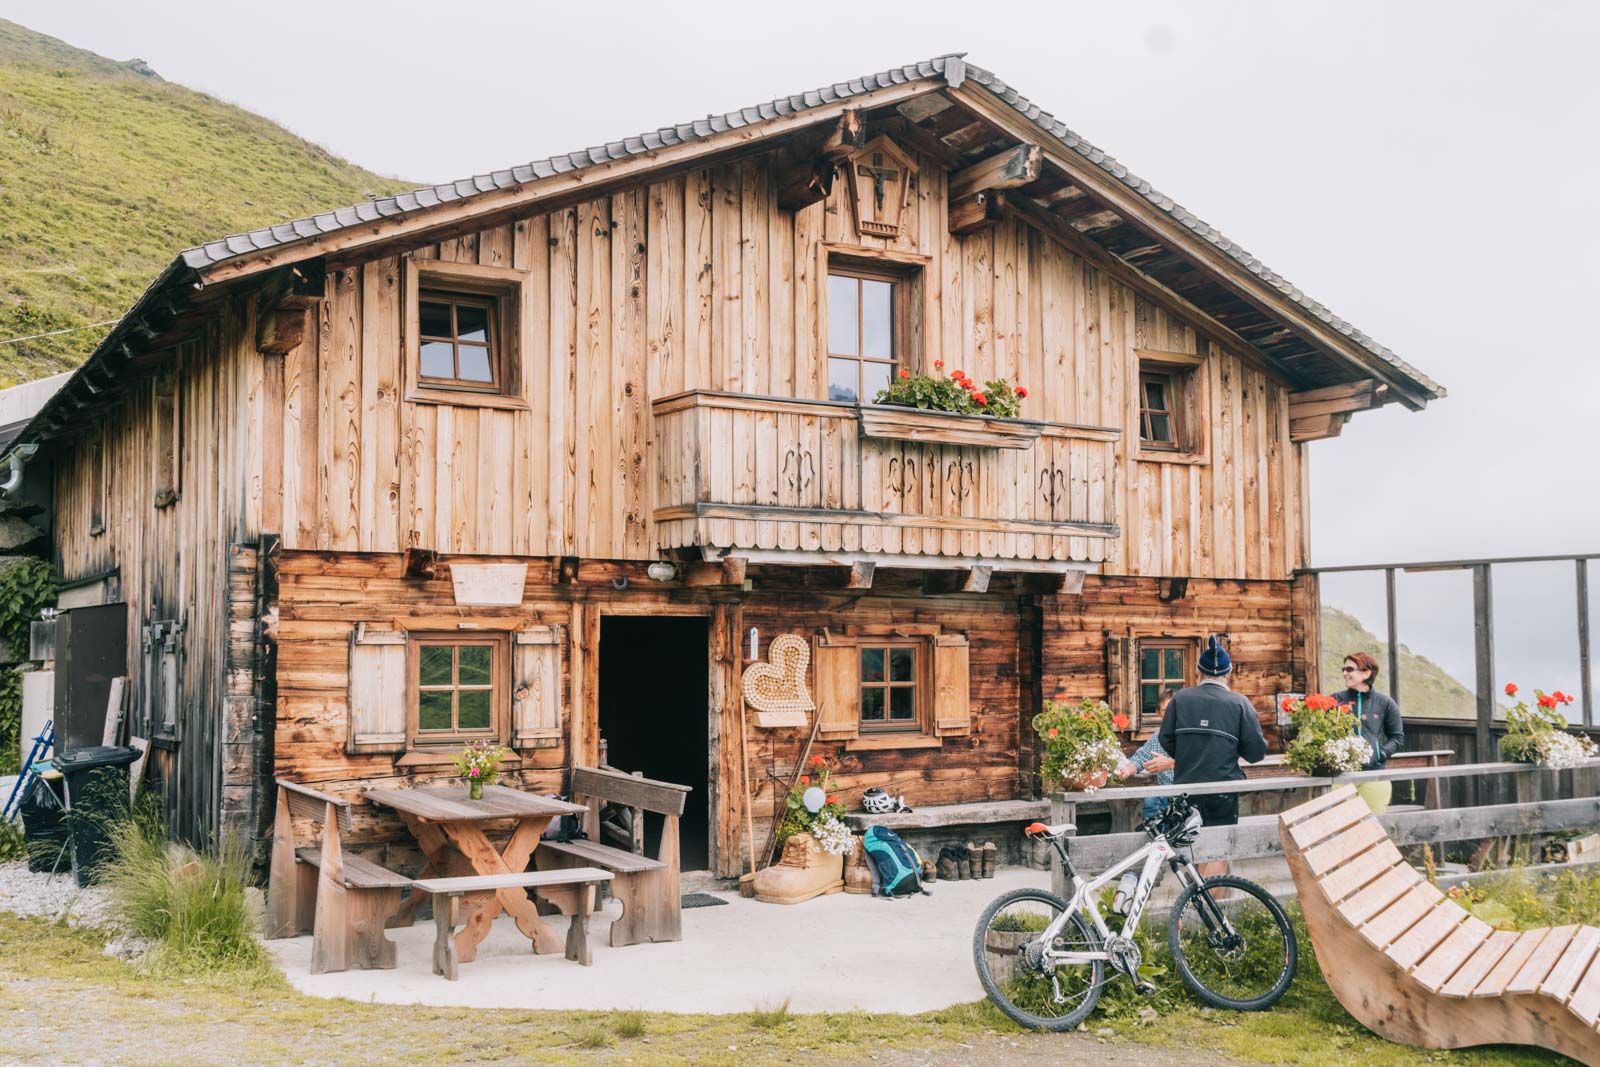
880 175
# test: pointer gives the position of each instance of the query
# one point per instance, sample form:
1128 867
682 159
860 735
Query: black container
97 796
44 824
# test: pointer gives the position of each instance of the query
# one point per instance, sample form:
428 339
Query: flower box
944 428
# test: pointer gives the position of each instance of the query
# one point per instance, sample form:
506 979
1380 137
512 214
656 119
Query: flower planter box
944 428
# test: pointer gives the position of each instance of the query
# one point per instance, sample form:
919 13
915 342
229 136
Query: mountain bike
1043 960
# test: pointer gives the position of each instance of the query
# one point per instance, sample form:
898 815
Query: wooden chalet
545 455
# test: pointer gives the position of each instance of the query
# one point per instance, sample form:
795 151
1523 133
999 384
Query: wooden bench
647 888
927 827
1412 965
344 901
447 891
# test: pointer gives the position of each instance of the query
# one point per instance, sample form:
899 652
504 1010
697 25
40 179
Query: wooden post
1483 646
330 937
1394 637
1585 666
281 895
1061 810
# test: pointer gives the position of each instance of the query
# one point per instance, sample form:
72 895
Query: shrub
195 909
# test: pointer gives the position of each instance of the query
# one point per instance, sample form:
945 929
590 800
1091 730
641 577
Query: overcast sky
1428 171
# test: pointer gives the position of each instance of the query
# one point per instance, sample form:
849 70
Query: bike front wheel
1008 953
1233 944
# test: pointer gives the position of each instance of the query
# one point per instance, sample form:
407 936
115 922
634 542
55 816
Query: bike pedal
1144 989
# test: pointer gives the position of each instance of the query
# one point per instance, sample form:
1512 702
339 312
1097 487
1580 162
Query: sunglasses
1350 670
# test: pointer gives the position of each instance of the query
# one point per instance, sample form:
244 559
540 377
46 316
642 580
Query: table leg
436 847
470 840
578 932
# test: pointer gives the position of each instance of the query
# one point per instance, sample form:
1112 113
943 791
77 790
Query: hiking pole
41 744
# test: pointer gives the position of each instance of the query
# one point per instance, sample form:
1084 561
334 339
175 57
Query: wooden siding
699 282
180 562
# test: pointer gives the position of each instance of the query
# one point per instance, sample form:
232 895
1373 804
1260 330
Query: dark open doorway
653 701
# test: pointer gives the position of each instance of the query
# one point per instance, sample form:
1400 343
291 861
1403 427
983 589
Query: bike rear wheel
1233 944
1032 994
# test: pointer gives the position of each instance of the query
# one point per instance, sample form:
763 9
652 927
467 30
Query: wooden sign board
489 584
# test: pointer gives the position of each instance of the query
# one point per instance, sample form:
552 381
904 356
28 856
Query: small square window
458 689
459 348
1163 666
889 687
1172 396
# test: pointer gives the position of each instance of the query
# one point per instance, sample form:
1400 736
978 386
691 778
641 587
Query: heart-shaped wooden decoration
777 689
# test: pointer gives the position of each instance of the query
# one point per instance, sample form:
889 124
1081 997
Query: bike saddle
1056 830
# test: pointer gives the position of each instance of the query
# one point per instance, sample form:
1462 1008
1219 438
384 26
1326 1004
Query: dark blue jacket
1380 723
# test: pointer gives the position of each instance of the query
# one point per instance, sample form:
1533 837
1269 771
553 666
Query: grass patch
591 1035
198 910
629 1024
769 1018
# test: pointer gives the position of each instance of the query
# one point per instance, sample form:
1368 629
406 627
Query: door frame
724 708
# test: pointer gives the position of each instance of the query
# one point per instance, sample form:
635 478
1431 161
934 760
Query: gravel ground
53 897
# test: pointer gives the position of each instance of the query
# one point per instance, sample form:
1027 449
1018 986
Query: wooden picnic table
449 827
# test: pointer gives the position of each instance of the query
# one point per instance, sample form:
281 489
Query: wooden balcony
778 475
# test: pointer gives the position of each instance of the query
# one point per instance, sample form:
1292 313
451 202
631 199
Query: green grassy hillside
106 171
1427 690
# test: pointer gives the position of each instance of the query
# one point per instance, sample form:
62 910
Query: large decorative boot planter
805 871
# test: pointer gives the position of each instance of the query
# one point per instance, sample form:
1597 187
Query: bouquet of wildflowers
1539 734
479 764
797 817
1344 755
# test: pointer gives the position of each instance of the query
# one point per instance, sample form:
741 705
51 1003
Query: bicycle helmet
878 802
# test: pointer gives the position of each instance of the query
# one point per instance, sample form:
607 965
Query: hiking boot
930 872
963 862
975 859
991 858
947 867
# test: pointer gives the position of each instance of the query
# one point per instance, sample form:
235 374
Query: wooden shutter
837 663
1122 677
377 690
952 686
536 687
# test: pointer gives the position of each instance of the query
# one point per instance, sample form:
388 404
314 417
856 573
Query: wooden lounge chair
647 888
1412 965
343 900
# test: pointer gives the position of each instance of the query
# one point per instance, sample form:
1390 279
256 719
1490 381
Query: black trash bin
44 824
97 798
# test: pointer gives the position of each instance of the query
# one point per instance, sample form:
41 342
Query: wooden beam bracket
976 212
808 166
1007 169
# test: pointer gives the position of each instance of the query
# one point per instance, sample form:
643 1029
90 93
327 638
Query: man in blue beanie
1208 728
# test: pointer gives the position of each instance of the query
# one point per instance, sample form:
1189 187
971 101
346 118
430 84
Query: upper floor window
1158 410
1173 400
462 322
863 335
459 348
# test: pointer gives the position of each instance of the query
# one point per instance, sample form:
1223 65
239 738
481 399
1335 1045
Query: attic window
459 348
462 323
1172 405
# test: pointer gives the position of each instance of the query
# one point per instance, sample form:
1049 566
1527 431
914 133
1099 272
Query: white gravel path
54 897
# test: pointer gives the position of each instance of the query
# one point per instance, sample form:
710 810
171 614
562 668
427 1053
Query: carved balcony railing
734 471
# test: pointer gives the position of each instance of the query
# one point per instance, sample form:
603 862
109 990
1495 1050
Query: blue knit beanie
1214 660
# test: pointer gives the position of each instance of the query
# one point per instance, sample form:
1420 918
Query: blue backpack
896 869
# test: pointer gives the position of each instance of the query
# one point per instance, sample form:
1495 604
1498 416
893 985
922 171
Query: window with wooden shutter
536 687
952 686
837 666
377 690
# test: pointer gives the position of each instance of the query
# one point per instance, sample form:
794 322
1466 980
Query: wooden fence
1256 836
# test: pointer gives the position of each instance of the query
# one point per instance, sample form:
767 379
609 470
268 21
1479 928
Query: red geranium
1284 704
1547 701
1054 731
833 800
805 779
958 374
1022 391
1120 721
938 363
980 398
816 761
905 373
1511 689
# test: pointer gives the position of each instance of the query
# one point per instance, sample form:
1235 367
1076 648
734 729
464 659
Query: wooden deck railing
1257 837
772 473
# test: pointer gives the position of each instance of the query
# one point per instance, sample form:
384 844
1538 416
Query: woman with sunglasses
1377 720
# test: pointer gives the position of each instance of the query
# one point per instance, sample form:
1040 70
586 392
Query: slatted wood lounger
1412 965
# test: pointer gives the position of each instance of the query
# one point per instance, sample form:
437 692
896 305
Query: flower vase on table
479 765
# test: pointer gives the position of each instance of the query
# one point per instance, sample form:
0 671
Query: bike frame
1159 851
